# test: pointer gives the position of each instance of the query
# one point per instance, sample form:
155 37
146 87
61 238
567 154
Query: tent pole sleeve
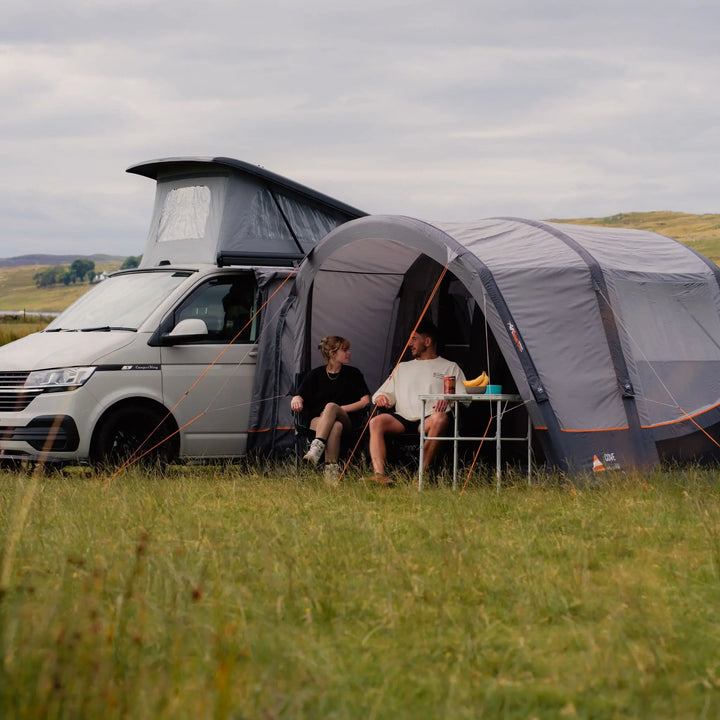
555 451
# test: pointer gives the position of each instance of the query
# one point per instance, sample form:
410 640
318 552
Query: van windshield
122 302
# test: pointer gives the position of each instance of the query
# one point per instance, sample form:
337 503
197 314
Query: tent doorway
466 338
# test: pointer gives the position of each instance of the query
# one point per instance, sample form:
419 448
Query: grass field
19 292
16 326
259 592
236 593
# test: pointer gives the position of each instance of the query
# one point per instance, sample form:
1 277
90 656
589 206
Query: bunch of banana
480 381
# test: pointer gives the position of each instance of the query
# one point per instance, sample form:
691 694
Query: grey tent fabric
271 421
611 336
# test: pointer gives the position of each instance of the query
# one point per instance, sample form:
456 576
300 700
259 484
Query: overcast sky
449 110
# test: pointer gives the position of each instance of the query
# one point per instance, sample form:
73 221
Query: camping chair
403 450
304 435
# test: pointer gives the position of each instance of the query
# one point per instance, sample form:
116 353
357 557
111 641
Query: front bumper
44 434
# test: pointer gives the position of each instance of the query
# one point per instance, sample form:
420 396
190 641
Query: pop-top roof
226 211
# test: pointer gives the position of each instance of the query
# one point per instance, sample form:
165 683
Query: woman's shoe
314 453
332 473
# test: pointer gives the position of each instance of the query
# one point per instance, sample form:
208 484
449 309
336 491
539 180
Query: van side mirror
185 331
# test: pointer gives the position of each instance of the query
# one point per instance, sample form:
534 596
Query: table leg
529 450
498 449
422 446
455 447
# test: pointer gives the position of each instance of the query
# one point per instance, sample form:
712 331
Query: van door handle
253 354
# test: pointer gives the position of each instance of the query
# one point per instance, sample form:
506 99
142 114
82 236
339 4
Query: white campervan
164 356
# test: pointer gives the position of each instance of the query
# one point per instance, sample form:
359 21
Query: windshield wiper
107 328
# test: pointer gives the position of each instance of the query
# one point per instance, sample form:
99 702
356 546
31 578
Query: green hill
700 232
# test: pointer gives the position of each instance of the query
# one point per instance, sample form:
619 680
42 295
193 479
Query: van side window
227 305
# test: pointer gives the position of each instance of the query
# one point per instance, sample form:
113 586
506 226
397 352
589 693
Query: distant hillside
18 290
39 259
700 232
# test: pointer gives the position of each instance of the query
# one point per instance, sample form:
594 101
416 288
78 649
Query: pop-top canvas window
185 214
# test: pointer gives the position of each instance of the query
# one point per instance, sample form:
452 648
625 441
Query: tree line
79 271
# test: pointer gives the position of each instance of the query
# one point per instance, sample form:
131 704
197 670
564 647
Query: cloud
450 111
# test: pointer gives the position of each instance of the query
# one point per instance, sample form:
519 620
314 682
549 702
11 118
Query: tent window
670 321
309 224
185 214
673 336
263 228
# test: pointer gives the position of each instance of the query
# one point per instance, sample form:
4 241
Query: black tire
126 429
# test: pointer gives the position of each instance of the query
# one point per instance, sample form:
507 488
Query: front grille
16 401
13 398
12 379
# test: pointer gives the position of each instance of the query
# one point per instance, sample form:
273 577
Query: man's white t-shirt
418 377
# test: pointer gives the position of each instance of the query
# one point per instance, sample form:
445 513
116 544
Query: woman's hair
331 344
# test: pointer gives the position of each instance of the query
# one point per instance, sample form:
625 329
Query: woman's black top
318 389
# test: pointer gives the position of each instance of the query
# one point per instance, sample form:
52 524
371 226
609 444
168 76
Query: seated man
423 375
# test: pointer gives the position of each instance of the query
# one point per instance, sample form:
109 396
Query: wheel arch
138 404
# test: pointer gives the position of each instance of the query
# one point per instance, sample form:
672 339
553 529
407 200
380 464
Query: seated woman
332 394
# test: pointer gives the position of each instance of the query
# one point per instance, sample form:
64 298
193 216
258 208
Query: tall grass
14 327
241 593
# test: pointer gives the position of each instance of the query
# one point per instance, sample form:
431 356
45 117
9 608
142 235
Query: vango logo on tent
515 337
608 462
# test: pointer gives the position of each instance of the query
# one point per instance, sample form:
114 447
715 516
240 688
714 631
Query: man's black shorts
411 426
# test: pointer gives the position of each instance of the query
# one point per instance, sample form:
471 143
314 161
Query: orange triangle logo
597 465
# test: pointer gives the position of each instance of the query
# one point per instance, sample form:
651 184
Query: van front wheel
132 434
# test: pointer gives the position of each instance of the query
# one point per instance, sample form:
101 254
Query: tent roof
506 243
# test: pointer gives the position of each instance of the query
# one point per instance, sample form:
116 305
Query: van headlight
59 378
